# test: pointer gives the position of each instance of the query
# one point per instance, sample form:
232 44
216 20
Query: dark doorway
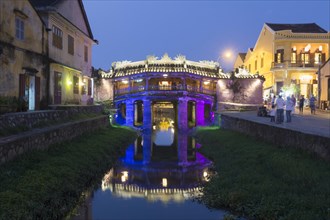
121 113
138 113
279 86
57 88
191 114
207 113
164 115
329 89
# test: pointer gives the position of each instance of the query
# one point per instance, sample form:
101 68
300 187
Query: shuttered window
293 57
84 87
57 37
70 45
305 57
75 85
279 56
19 28
89 87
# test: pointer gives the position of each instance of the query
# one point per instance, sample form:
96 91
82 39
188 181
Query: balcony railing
298 64
165 88
189 88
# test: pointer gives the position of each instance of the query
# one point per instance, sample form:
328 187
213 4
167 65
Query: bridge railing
188 88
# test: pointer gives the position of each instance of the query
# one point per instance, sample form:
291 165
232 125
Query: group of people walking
279 105
312 101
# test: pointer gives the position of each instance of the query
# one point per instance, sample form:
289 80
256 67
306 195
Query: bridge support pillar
182 114
200 113
130 113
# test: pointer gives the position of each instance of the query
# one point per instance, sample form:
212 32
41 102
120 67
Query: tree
291 89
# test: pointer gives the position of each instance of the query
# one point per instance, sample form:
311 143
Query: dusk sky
200 30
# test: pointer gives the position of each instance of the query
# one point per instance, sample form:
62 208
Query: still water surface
157 178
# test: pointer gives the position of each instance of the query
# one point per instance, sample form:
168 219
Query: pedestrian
273 100
294 101
272 113
288 108
280 103
312 101
301 104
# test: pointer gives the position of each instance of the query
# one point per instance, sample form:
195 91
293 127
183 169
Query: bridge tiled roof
166 65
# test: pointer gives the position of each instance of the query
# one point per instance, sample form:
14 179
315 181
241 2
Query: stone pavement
318 124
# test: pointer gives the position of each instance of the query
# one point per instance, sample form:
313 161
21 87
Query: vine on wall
234 84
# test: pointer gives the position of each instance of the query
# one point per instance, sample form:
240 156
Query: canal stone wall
78 109
39 118
31 119
39 139
318 145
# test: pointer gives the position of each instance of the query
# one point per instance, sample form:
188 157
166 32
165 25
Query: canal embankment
310 133
48 184
260 180
23 132
40 139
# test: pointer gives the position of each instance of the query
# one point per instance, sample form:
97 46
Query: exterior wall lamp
164 182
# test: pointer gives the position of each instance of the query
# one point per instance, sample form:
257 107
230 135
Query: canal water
158 178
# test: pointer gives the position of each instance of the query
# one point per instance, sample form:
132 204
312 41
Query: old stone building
23 56
70 42
45 54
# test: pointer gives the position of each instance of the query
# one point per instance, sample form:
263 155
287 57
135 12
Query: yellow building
70 50
23 43
289 54
239 62
324 76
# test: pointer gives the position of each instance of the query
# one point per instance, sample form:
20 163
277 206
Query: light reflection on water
153 182
164 137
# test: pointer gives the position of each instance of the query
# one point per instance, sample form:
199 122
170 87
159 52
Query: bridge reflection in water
161 167
172 171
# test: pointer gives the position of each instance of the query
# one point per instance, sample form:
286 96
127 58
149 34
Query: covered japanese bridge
163 93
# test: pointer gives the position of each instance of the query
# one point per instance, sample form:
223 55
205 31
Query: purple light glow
200 114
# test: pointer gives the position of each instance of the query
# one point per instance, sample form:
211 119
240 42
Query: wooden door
57 88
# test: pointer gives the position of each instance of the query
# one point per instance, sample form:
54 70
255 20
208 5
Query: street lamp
226 57
228 54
